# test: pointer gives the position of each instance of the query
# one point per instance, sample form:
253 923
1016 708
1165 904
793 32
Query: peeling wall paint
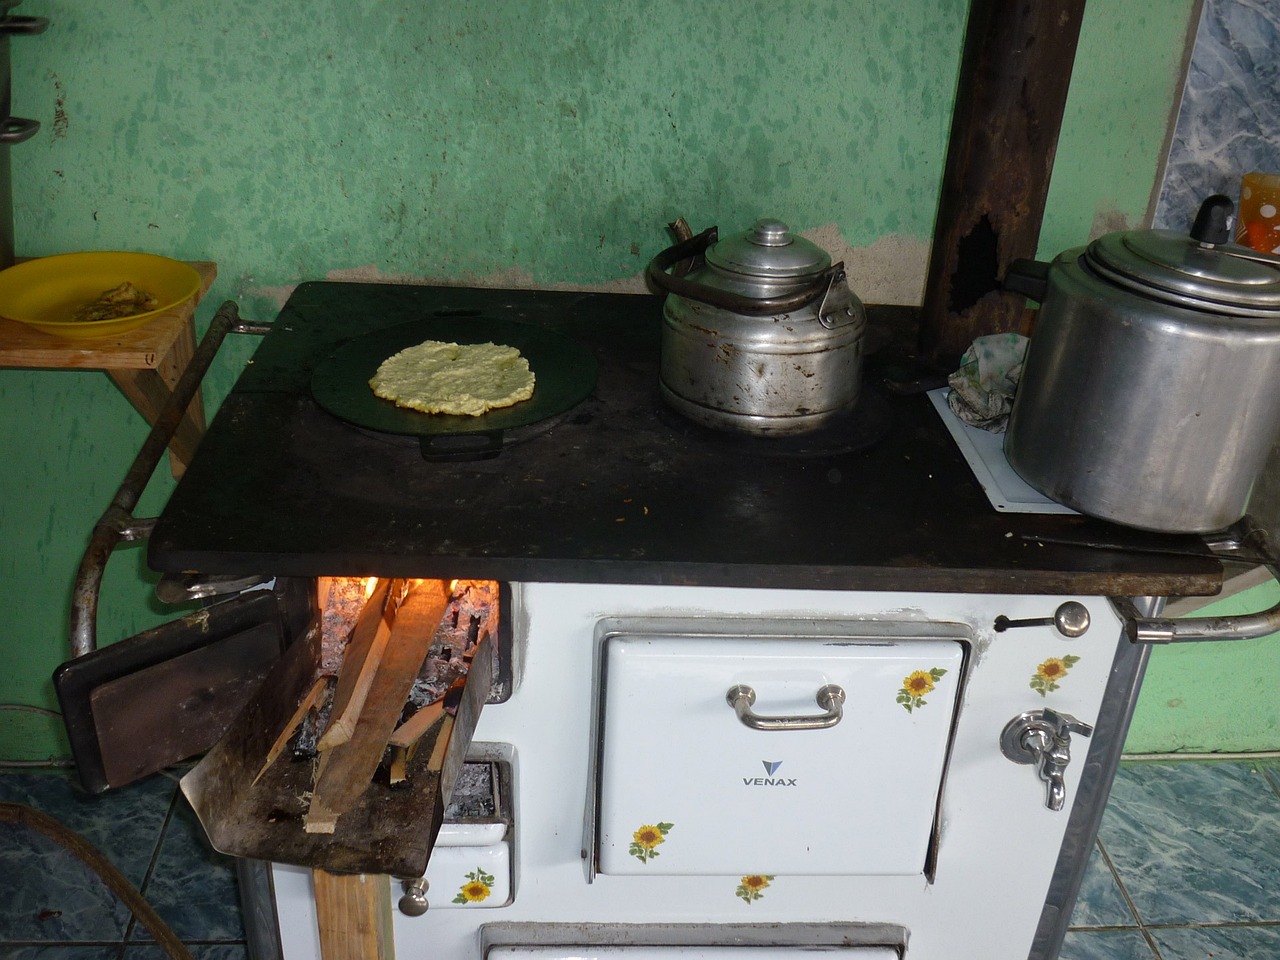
492 142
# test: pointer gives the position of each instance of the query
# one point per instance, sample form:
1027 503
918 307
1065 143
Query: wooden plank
412 730
147 391
348 768
435 762
170 369
360 663
353 914
1014 75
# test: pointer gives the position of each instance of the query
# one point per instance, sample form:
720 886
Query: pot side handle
1029 278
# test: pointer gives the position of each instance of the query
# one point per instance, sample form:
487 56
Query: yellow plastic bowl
46 293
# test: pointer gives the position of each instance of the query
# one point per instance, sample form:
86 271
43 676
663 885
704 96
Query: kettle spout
681 230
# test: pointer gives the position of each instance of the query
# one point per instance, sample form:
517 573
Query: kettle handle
657 275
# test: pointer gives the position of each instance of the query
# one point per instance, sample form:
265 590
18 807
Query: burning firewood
363 655
267 791
347 767
308 703
413 729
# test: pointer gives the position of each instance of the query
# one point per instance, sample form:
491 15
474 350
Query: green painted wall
1212 697
479 141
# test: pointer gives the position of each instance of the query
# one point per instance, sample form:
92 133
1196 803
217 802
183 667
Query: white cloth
982 388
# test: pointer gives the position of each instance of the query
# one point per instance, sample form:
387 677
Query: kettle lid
768 250
1199 270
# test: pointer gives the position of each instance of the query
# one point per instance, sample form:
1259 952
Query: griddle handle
453 447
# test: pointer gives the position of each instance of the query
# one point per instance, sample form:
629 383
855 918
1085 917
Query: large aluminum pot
1149 392
761 334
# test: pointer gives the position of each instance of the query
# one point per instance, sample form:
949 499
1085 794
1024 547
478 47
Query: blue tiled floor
1187 866
54 908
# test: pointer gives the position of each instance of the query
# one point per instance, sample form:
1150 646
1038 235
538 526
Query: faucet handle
1043 738
1064 724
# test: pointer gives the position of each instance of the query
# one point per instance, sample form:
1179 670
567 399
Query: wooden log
411 731
353 913
347 768
438 752
364 653
1014 76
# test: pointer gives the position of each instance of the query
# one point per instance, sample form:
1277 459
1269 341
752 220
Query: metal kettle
761 334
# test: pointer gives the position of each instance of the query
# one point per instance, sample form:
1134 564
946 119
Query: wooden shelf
144 364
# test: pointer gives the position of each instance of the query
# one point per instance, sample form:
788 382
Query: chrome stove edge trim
1101 763
532 933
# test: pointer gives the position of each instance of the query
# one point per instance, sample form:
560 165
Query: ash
341 601
473 794
472 612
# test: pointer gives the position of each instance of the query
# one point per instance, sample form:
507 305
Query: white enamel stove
738 773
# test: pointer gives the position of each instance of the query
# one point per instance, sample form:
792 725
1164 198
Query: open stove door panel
167 694
259 801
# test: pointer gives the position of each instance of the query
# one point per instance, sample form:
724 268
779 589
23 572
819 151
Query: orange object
1258 224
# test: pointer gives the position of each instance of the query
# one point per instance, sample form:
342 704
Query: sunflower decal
915 685
478 887
752 887
1045 679
644 841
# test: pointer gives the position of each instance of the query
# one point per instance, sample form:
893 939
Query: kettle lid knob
770 233
1213 221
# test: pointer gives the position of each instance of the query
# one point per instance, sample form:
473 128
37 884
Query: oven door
760 755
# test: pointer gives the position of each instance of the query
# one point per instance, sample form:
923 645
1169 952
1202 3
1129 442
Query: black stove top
615 489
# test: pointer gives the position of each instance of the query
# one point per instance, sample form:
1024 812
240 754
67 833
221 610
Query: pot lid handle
1213 220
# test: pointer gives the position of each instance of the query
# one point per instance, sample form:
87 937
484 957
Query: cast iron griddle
564 370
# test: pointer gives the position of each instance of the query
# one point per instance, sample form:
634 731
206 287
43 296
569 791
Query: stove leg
353 912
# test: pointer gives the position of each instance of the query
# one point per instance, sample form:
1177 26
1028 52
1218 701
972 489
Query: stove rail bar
118 524
1246 541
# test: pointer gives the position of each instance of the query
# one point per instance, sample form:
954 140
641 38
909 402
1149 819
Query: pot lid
1178 267
768 250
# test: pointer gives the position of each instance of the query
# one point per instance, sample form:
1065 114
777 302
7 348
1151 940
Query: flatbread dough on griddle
461 379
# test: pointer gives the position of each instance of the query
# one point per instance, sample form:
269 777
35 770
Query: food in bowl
126 300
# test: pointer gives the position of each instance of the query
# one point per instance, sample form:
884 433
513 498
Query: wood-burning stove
865 560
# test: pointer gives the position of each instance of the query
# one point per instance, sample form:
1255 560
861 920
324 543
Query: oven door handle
830 697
